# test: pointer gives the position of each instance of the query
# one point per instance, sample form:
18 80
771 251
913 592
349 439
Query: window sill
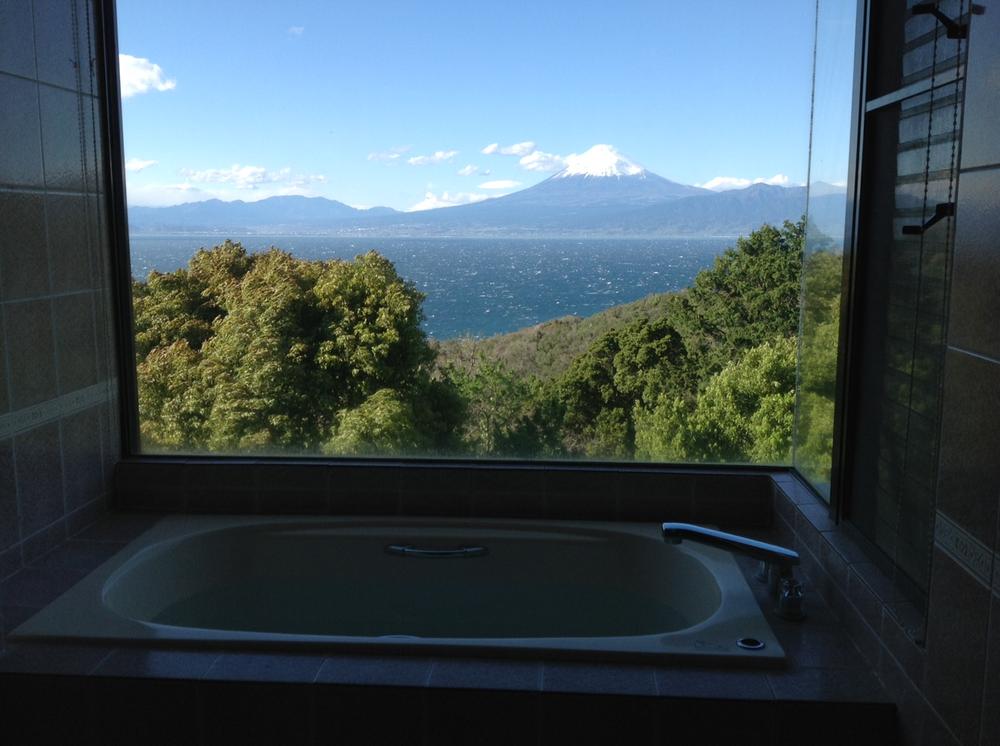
733 496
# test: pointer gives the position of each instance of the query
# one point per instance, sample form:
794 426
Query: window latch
942 210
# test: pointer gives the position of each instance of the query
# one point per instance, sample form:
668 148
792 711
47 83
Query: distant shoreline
482 287
234 235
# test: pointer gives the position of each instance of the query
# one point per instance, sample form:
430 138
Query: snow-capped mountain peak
600 160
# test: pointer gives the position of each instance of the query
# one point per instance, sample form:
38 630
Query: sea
480 287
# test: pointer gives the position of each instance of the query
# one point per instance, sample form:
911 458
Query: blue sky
393 103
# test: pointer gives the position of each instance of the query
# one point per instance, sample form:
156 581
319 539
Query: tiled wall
58 426
946 679
963 633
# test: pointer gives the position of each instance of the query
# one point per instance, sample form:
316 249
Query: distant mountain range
600 193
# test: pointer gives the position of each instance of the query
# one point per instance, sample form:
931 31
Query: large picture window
573 231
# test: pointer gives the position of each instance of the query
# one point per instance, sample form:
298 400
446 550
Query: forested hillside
267 353
546 350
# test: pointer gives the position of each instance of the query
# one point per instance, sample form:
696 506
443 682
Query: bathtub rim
81 614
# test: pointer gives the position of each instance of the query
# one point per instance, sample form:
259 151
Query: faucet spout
776 562
781 557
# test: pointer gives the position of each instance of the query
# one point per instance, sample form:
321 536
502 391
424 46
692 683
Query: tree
596 419
743 414
505 414
383 424
750 295
267 352
821 279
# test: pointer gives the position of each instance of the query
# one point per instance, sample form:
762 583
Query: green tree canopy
743 414
265 352
751 294
269 353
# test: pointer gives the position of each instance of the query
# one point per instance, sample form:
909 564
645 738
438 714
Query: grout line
17 503
5 361
49 296
990 621
975 169
10 187
39 532
977 355
216 659
62 472
37 80
101 662
319 670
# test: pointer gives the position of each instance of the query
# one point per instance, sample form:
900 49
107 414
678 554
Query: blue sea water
486 286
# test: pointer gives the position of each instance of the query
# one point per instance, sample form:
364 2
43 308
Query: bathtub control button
750 643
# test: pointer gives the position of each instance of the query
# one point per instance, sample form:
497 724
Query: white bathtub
536 588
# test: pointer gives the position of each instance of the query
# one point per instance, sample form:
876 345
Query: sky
420 105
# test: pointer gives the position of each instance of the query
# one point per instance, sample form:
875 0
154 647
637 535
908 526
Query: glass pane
909 170
822 266
556 232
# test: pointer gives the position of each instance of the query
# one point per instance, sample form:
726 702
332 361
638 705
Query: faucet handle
762 572
790 598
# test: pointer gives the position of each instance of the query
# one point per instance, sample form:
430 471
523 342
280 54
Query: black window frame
588 478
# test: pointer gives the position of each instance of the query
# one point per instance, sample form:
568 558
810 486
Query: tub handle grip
408 550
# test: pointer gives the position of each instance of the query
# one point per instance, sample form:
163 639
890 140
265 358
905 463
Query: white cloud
250 177
164 195
137 164
519 148
391 155
296 30
139 75
722 183
500 184
528 155
432 201
439 156
776 180
469 170
540 161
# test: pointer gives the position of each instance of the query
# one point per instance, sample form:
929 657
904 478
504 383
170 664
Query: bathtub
476 587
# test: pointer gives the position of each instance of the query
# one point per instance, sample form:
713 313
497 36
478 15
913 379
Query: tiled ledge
556 490
367 699
884 624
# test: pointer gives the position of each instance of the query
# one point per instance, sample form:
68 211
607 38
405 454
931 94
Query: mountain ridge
599 193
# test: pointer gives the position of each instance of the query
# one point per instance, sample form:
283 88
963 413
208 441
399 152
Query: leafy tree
505 413
748 297
596 413
266 390
383 424
173 401
821 279
370 327
266 352
743 414
751 294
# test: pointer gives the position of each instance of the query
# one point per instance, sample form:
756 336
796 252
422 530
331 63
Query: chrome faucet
776 563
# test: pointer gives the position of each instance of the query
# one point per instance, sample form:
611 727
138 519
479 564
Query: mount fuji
601 177
598 193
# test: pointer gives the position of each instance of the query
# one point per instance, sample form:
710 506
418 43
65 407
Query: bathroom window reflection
825 234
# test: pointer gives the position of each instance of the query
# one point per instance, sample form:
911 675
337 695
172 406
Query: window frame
707 479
